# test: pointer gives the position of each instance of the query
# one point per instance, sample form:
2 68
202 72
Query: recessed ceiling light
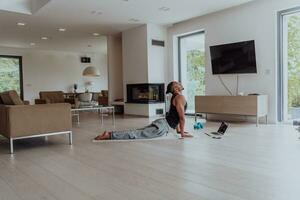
21 24
164 8
95 12
44 38
32 44
96 34
62 29
134 20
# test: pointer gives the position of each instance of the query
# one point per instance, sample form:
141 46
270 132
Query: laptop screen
223 128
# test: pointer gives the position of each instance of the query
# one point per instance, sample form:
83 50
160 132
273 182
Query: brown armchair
103 98
49 97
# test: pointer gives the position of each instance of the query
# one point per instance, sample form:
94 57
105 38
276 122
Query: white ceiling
81 18
22 6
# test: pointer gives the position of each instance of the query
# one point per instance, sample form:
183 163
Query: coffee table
100 109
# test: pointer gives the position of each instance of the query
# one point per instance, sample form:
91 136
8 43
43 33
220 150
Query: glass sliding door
192 67
291 65
11 74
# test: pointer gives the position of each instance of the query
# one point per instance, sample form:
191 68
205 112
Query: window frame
20 58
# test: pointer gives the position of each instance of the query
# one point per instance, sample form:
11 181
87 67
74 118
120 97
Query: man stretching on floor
175 119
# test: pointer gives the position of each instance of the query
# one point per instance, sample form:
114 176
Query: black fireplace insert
146 93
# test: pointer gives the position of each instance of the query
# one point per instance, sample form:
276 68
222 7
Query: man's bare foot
105 136
186 135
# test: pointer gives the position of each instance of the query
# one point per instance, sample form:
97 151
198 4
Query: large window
293 64
192 67
289 65
11 74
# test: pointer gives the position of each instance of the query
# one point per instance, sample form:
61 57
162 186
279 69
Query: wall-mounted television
234 58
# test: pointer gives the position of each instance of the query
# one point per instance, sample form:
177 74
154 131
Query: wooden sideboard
256 105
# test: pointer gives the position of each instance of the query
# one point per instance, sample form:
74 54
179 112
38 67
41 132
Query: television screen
235 58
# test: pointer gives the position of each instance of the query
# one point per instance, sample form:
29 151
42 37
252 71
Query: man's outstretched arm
179 104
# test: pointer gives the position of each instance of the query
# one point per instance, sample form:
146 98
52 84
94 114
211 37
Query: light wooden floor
249 163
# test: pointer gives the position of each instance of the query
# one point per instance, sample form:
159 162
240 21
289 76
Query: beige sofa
29 121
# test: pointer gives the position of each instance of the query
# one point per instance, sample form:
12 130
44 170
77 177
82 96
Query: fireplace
145 93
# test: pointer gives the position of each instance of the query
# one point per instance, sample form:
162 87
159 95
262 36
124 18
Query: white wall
57 70
157 59
143 63
115 67
257 21
135 64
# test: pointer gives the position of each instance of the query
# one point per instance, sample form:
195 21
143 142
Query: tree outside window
10 74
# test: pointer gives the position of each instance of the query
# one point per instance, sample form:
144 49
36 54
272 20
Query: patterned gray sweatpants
156 129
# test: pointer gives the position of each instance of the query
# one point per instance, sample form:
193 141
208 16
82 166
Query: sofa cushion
11 98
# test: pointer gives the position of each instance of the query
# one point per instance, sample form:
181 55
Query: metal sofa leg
70 138
11 142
